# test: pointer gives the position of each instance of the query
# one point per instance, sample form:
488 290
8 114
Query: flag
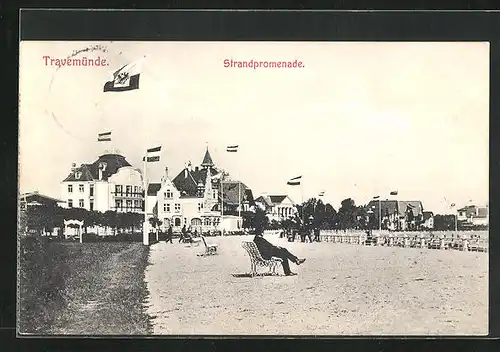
321 194
376 197
394 193
232 148
452 205
153 154
217 176
294 181
124 79
104 137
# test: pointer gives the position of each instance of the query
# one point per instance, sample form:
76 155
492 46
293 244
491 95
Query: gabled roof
37 198
153 188
271 200
233 194
113 162
482 212
187 180
428 215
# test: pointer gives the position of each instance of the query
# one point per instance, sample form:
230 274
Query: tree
260 220
347 214
330 220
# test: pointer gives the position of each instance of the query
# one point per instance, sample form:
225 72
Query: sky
360 119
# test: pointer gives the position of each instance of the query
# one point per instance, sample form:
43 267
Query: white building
277 207
109 183
193 198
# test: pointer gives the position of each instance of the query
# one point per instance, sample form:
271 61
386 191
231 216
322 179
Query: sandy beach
341 289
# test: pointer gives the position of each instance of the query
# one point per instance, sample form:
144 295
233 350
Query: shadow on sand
257 275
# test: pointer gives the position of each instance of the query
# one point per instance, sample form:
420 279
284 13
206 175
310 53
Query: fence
461 240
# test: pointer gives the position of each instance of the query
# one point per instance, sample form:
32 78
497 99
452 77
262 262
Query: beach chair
210 248
257 260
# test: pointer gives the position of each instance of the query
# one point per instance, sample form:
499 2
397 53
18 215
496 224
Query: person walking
170 233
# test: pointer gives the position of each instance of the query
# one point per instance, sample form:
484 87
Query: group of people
311 234
186 235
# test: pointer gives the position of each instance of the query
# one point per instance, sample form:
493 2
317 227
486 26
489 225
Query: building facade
194 196
109 183
473 215
397 215
277 207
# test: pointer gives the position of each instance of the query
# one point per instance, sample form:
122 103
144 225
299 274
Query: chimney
73 167
196 169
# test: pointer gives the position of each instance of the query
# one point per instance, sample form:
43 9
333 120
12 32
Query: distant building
31 199
193 198
473 215
428 220
396 214
109 183
277 207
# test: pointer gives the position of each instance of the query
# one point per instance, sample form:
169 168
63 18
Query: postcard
230 188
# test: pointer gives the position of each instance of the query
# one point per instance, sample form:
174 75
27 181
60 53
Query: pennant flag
410 206
153 154
394 193
452 205
104 137
217 176
376 197
125 78
232 148
321 194
294 181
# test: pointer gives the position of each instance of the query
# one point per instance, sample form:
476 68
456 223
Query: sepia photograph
230 188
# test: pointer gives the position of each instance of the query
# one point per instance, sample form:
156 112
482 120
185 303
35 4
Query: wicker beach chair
210 248
257 260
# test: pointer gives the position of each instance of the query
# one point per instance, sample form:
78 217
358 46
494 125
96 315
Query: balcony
128 194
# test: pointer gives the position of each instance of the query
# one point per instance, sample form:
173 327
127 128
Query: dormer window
169 194
78 175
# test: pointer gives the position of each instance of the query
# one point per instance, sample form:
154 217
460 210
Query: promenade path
341 289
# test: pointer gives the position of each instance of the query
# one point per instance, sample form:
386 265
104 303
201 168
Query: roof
235 192
428 215
273 199
482 212
37 198
153 188
475 211
187 180
89 172
388 207
415 206
207 159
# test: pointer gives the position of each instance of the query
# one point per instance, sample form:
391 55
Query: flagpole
379 214
222 203
145 234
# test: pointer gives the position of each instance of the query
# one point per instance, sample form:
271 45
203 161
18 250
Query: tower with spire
207 160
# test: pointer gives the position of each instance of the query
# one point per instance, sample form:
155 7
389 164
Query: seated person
268 250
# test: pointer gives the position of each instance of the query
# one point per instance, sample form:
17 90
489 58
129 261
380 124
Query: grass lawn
102 291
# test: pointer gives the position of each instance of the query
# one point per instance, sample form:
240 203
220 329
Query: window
70 188
129 203
177 222
118 189
81 204
81 188
166 207
177 207
70 203
136 189
207 222
128 189
200 206
91 190
119 203
169 194
91 205
137 204
214 193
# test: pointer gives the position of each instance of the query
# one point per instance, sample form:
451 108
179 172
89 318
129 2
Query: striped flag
452 205
232 148
321 194
153 154
376 197
104 137
126 78
294 181
394 193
